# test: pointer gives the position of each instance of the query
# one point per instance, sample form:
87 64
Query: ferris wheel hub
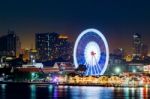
93 53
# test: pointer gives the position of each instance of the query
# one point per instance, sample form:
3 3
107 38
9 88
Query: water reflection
138 93
144 93
3 88
71 92
50 91
32 92
55 92
91 92
126 93
132 92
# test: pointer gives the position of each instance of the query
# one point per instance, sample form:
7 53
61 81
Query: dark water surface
14 91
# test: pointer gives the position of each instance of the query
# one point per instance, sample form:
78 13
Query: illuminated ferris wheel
91 49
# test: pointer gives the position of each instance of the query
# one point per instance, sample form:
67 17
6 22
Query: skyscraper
44 42
51 45
10 44
140 49
144 50
64 47
137 41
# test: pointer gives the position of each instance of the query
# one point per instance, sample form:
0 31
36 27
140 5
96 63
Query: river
45 91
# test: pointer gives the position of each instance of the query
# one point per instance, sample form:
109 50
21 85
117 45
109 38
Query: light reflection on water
126 93
91 92
33 92
71 92
3 87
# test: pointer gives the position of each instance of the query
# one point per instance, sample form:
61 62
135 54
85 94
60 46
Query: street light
32 75
117 70
31 57
134 71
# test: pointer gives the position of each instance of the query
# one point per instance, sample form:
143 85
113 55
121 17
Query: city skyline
118 21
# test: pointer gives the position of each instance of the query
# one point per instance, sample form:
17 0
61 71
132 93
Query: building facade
51 46
137 41
140 49
10 44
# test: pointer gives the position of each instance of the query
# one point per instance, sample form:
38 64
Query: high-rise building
10 44
144 50
51 45
44 42
140 49
64 47
137 41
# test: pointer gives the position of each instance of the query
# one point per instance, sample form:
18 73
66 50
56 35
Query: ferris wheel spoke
97 68
94 69
92 49
97 65
87 69
91 70
92 65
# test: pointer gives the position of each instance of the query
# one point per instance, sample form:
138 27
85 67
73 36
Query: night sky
118 20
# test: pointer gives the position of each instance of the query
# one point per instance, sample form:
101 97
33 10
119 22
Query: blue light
91 49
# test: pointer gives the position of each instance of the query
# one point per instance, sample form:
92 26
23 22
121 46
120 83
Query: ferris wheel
91 49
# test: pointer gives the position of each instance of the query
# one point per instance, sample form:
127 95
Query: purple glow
55 79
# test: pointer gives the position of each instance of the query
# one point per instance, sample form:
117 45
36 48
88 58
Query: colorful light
94 53
55 79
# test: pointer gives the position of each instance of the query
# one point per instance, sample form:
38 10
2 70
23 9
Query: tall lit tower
137 44
45 44
52 46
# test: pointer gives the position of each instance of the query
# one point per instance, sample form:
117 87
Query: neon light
91 51
94 57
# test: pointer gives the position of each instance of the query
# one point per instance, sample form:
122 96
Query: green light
117 70
33 74
134 71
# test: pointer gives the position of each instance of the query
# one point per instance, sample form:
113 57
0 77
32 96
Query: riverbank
26 83
68 84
